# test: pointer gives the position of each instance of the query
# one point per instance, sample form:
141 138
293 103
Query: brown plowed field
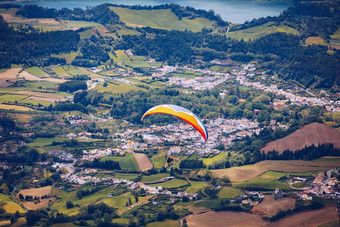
143 161
9 77
314 133
225 218
269 206
36 191
308 218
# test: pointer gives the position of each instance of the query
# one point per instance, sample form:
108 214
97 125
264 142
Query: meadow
261 30
196 186
116 87
209 161
36 72
126 176
173 183
267 181
161 19
125 162
229 192
248 172
9 205
159 159
155 177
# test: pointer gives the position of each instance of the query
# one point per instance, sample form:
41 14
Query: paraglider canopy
181 113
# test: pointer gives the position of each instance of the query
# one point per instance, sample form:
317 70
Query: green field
36 86
60 205
268 180
173 183
36 72
335 38
86 34
11 98
36 102
117 87
125 162
165 223
40 142
216 158
10 206
68 57
119 201
229 192
123 221
126 176
80 24
261 30
159 159
60 71
72 70
196 186
152 178
161 19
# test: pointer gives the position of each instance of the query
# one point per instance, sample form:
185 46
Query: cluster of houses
97 154
323 185
183 133
247 71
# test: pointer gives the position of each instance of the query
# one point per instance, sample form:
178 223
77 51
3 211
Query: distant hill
314 133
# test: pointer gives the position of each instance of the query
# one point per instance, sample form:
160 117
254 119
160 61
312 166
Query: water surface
235 11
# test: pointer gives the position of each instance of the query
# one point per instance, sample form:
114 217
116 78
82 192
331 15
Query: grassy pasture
10 206
68 57
162 19
165 223
119 201
173 183
229 192
248 172
267 180
216 158
335 38
152 178
80 24
117 87
11 98
15 107
40 142
196 186
261 30
72 70
71 196
126 176
36 72
159 159
60 71
86 34
125 162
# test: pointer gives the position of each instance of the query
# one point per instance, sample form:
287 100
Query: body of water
235 11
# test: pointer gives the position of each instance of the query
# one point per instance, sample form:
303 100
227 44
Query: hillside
314 133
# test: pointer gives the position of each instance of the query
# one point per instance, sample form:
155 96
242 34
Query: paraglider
181 113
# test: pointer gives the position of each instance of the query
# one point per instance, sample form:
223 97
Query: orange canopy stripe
181 113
